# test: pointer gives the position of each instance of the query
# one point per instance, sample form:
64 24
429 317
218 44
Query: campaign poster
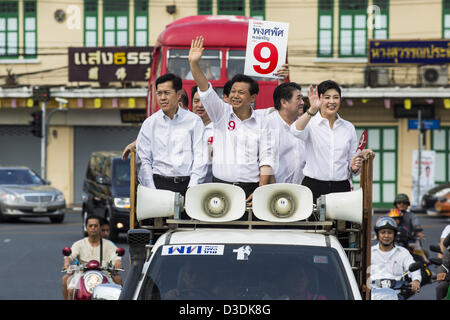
427 175
266 48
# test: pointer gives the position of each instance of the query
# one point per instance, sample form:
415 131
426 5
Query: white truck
282 248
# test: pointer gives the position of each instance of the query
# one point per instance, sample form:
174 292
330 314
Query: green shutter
204 7
258 9
9 29
446 19
325 28
115 22
90 23
353 28
232 7
381 21
141 23
29 29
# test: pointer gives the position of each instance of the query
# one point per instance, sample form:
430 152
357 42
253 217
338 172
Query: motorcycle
391 289
414 246
444 268
90 275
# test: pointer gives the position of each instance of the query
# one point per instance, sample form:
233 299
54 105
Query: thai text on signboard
392 52
108 64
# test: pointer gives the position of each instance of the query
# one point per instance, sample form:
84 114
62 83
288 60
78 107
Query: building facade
328 39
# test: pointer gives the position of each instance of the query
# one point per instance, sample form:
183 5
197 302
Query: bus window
178 63
236 64
158 66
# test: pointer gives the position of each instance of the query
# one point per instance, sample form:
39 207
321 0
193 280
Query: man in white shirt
199 109
242 153
389 261
288 104
170 144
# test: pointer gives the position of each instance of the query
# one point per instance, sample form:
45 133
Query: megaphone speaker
215 202
347 206
155 203
282 202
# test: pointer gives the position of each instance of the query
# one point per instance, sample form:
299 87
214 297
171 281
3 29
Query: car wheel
57 219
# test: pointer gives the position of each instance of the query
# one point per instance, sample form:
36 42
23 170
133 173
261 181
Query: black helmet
402 197
385 223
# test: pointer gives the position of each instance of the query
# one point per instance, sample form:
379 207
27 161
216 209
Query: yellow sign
97 103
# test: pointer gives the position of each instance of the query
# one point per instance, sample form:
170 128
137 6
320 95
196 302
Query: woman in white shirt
330 142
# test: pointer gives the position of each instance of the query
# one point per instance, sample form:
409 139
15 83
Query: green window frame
352 28
116 23
440 143
204 7
9 29
325 25
90 23
381 22
446 19
258 9
383 142
30 29
231 7
141 25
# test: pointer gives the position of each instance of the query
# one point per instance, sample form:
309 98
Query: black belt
173 179
240 184
329 182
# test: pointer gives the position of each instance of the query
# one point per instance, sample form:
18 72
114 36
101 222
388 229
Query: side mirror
436 261
66 251
108 291
435 248
120 252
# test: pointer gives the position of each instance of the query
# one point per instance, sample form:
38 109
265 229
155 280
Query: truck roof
259 236
218 31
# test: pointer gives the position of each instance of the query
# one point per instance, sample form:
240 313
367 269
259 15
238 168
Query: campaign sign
266 48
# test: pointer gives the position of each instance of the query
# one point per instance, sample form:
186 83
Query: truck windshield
177 63
121 172
241 272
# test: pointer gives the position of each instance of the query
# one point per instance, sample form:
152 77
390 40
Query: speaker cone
216 205
282 205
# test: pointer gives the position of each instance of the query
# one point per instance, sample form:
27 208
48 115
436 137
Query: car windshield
19 177
241 272
121 172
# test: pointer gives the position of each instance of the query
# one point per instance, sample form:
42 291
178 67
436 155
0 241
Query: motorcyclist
410 220
443 276
389 261
402 233
88 249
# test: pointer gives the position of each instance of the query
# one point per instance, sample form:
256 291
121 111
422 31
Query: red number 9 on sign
272 58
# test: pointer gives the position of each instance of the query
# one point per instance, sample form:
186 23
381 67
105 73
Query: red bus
223 57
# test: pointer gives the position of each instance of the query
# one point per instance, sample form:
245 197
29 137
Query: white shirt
328 151
445 232
209 137
240 148
392 264
291 151
172 147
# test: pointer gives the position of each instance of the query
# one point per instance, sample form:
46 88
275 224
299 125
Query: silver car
24 194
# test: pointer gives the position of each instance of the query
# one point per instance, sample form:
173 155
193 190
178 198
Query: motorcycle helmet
385 223
395 213
401 197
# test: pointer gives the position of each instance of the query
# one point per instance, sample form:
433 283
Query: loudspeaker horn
282 202
215 202
347 206
155 203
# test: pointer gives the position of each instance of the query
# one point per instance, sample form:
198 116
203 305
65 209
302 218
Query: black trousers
320 187
175 184
248 187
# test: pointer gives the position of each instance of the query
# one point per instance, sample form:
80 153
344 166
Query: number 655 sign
266 48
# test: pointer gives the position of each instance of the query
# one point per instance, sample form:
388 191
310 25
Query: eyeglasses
166 93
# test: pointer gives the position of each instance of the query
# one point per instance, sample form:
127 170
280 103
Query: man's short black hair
184 98
177 83
254 88
284 91
93 217
327 85
227 88
193 91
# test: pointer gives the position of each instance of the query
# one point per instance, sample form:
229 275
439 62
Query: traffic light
36 124
41 93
